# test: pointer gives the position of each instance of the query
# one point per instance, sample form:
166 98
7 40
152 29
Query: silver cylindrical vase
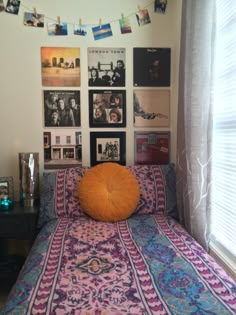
29 178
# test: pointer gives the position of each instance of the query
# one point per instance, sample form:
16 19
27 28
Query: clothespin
58 20
35 11
80 22
100 23
139 9
122 16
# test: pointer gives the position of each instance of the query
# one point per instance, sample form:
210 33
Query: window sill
219 254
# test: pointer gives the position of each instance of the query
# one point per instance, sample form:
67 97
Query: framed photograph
151 66
107 147
60 66
106 67
151 108
61 108
6 188
107 108
151 147
62 149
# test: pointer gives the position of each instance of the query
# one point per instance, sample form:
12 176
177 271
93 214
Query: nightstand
18 223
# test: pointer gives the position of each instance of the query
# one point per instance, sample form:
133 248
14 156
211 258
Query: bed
146 264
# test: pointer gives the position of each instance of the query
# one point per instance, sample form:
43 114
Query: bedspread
144 265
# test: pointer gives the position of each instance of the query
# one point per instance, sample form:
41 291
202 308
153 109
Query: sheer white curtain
193 166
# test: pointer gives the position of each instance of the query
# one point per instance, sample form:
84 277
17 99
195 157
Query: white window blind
223 224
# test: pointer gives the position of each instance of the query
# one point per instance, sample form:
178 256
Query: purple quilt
145 265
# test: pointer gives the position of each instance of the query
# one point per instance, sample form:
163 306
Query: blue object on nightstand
5 204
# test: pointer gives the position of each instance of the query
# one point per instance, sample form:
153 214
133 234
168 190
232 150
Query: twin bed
146 264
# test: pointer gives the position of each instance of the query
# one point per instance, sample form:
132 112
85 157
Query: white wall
21 101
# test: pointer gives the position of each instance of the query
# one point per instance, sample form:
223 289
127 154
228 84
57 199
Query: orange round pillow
109 192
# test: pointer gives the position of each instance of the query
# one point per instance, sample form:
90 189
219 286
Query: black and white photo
61 108
106 67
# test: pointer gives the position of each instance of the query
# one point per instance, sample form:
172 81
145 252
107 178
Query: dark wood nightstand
18 223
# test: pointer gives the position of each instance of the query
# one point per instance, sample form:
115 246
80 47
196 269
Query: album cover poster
60 66
151 66
152 147
106 67
61 108
151 108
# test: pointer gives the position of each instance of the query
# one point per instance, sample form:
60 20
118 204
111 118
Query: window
58 139
68 139
223 225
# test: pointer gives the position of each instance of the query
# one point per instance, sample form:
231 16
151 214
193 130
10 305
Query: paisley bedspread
144 265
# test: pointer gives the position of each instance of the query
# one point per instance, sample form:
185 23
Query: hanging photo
106 67
107 147
60 66
151 147
62 148
143 17
151 66
151 108
2 8
13 6
33 19
102 31
57 29
61 108
160 6
80 29
125 26
107 108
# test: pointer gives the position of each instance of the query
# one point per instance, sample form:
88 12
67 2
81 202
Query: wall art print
106 67
151 147
107 147
151 108
61 108
107 108
62 148
151 66
60 66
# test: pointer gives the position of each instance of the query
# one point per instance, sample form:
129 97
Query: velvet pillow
109 192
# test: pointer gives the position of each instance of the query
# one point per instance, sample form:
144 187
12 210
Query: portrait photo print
61 108
151 66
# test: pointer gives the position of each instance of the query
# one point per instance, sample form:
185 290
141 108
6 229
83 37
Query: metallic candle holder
29 178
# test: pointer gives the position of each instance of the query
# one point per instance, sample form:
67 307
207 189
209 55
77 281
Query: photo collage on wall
61 105
151 104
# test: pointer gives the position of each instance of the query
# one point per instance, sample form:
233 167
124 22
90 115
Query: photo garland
107 108
107 147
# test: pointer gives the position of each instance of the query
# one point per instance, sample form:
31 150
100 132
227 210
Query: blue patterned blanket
147 264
